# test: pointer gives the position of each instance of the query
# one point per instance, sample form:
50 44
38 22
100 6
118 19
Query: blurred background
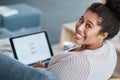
55 13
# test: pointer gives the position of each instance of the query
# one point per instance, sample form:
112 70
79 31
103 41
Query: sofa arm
114 79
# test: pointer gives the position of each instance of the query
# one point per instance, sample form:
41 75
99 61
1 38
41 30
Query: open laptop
31 48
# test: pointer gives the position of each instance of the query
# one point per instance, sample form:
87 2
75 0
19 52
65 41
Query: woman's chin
78 42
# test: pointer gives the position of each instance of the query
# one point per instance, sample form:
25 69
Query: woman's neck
88 47
92 47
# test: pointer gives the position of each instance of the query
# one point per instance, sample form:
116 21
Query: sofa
22 19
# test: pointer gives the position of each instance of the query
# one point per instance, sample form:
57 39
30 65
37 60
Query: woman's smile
79 36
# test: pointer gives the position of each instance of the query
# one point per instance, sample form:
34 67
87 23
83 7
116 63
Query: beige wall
103 1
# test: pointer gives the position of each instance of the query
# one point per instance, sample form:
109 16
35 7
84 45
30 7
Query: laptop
32 48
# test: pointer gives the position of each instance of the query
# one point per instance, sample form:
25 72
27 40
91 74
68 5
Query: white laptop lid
31 48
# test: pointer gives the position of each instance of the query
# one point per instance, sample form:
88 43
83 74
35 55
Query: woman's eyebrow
91 23
81 17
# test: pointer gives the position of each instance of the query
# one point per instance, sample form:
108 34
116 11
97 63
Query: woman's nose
80 27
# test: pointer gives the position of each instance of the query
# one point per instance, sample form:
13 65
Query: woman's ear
104 35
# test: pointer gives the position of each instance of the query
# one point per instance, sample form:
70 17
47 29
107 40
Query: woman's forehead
91 16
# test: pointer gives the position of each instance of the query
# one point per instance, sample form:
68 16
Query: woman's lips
79 36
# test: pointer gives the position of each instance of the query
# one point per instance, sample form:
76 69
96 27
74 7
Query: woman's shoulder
109 45
74 50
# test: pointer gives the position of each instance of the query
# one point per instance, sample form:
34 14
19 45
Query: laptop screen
31 48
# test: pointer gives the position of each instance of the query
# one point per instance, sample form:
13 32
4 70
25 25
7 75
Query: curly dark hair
109 13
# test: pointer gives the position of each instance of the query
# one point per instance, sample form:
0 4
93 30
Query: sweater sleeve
55 58
73 67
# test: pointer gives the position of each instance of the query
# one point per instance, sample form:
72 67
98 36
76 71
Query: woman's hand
39 64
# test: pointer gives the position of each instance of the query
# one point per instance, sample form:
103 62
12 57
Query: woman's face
87 30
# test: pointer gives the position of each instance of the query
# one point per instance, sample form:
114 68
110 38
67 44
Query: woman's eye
88 26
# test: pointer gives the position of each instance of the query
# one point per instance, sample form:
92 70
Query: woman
94 58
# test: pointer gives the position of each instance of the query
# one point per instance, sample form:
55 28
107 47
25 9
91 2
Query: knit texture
96 64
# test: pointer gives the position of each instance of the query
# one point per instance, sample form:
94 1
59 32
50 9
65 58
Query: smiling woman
94 57
87 31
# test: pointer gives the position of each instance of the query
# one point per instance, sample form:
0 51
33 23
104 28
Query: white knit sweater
85 65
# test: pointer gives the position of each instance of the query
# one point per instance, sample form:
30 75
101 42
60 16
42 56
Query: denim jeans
11 69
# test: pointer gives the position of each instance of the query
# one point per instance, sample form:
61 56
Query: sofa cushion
11 69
